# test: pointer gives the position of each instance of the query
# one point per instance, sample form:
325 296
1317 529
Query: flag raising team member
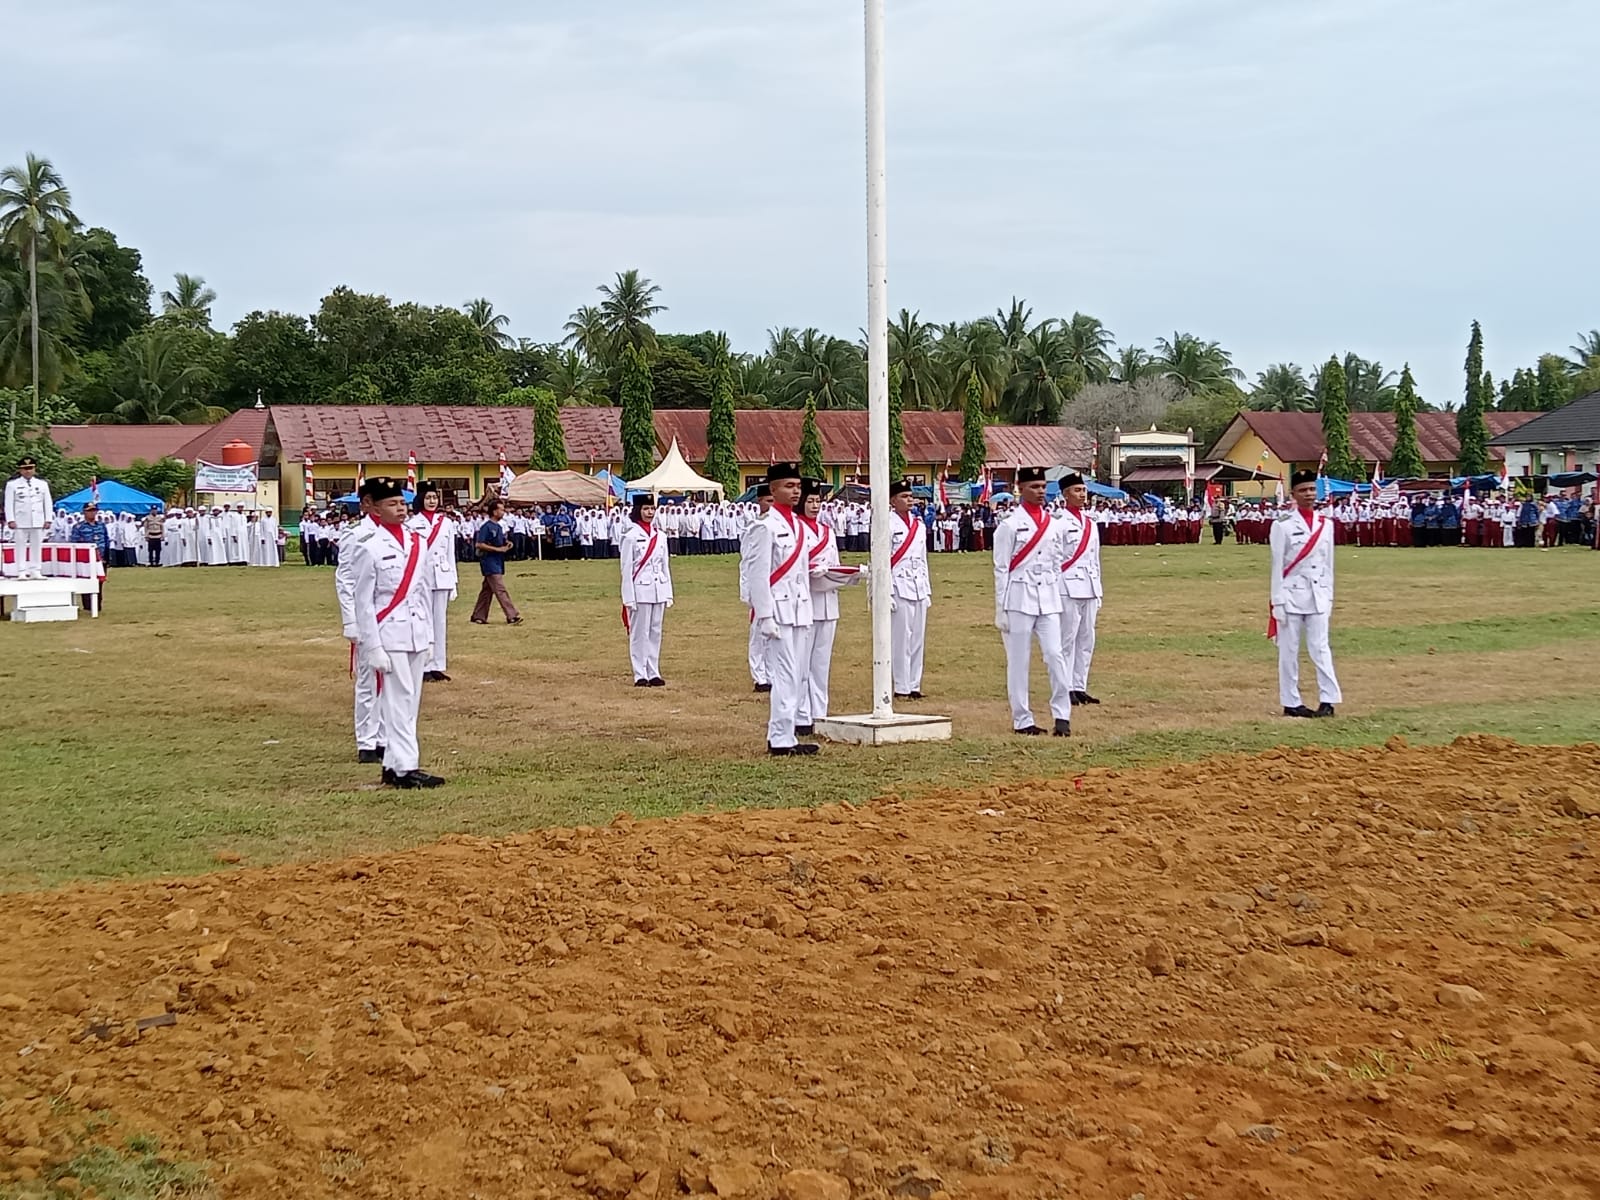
759 675
910 591
1028 601
822 555
394 627
368 715
778 582
438 534
1080 585
646 591
1302 599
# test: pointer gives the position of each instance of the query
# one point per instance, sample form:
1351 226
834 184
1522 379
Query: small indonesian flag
411 472
310 500
361 476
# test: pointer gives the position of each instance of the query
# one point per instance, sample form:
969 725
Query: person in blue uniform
90 531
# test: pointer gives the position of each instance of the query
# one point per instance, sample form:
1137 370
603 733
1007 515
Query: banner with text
213 477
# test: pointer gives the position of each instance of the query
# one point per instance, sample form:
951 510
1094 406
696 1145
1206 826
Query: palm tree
189 302
1586 347
1089 344
585 330
573 379
1368 387
1013 323
157 386
1282 387
912 346
24 340
975 349
629 304
1043 375
1195 365
1133 364
829 368
35 208
491 326
755 381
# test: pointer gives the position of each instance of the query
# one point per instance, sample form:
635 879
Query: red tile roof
1038 446
248 425
360 433
1297 437
120 446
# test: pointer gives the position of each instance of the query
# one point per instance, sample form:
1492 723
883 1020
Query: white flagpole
878 359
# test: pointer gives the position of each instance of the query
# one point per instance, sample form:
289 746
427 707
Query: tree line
84 337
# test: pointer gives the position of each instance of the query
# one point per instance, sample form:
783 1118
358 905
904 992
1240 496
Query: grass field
209 711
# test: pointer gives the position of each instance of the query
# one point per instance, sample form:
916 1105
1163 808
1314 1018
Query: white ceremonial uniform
910 596
438 534
395 618
646 596
1302 602
757 647
1027 602
234 532
780 599
1081 594
29 507
368 715
822 555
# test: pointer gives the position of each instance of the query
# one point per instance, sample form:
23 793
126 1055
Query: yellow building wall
1251 451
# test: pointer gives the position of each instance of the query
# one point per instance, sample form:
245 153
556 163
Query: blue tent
618 485
1105 491
351 499
114 497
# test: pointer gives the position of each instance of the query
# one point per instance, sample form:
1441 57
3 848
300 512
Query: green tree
810 442
679 379
638 421
1132 365
1554 387
1195 365
276 356
628 305
166 478
1336 422
1044 375
1282 387
1523 393
1013 323
897 433
1472 432
491 326
36 218
575 382
1586 381
976 350
585 332
549 439
974 450
1586 348
912 347
36 318
115 286
167 375
1089 346
1406 460
722 455
189 302
818 364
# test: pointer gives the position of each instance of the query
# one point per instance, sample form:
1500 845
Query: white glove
768 627
893 603
1279 615
669 601
631 610
1002 621
376 659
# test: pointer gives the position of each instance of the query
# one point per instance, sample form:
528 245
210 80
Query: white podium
48 599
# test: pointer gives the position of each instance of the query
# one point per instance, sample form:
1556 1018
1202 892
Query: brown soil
1310 973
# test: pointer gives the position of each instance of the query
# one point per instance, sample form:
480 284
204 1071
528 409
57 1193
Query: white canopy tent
674 475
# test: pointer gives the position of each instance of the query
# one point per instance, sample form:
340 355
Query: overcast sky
1290 179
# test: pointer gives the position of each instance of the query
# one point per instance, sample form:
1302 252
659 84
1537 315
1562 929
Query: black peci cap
1299 477
781 471
1030 474
899 487
1072 480
381 487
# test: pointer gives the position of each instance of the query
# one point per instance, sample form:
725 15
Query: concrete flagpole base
892 730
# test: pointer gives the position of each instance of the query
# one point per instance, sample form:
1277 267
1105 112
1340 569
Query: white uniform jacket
1302 579
1080 580
822 553
380 586
438 534
1027 571
344 578
646 575
777 580
908 578
28 502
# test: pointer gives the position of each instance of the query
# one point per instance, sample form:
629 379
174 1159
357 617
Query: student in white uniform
646 591
780 599
1027 603
438 534
910 591
368 715
760 676
1302 598
822 557
394 626
28 511
1081 589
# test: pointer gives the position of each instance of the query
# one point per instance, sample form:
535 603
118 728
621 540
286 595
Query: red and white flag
361 476
411 472
1278 492
310 500
505 475
94 490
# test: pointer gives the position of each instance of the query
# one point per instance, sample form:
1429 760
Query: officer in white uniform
1302 598
1027 603
438 534
778 581
646 591
368 715
822 557
28 509
910 591
759 675
1081 591
394 626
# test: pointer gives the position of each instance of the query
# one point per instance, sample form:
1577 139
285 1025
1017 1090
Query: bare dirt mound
1308 973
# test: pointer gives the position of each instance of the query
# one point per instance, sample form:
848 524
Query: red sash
1316 533
405 580
1040 528
649 549
822 533
433 529
1083 543
799 545
894 559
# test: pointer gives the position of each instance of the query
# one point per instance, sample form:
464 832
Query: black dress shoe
1323 710
787 751
390 779
1030 731
641 683
1063 728
1084 698
658 682
915 695
762 687
1299 710
431 677
805 730
902 695
370 756
440 677
416 779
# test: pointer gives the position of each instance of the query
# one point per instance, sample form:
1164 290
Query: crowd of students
1428 519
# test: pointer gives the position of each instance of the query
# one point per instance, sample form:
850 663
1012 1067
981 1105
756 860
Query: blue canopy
1105 491
353 498
114 497
618 485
